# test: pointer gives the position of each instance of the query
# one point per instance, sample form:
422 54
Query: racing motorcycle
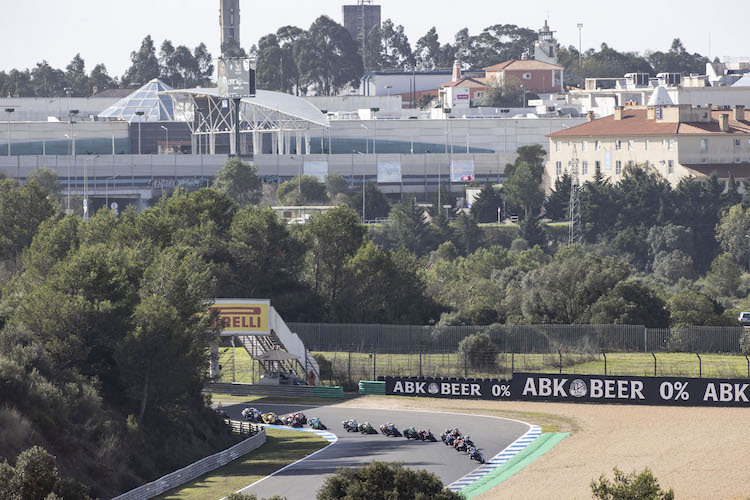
252 415
367 428
351 425
467 442
292 421
426 435
460 444
301 418
475 454
449 436
220 411
316 424
390 430
272 419
411 433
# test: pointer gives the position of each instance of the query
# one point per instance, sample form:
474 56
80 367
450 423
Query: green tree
596 207
240 181
479 351
47 179
327 57
144 64
427 50
531 231
408 228
22 210
377 205
641 486
397 51
270 60
508 93
731 232
304 190
556 204
76 77
673 266
381 481
630 302
523 189
47 81
724 277
486 203
336 185
100 78
35 477
695 309
467 235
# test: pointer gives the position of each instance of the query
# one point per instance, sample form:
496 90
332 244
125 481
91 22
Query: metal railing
196 469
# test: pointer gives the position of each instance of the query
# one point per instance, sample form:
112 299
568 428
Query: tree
530 231
724 277
486 204
677 60
231 48
556 205
673 266
467 236
304 190
397 51
47 81
205 64
596 202
695 309
508 93
381 481
377 205
336 185
270 64
100 78
76 77
523 189
35 477
731 232
240 181
427 50
47 179
144 64
479 351
327 57
641 486
408 227
22 210
630 302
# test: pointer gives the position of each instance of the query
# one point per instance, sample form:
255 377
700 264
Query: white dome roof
660 97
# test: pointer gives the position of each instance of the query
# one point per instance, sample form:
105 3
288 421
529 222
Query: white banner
317 169
389 172
462 170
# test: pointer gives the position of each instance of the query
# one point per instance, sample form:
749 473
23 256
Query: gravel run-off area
699 452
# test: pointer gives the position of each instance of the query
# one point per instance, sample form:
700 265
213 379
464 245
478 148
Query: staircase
284 339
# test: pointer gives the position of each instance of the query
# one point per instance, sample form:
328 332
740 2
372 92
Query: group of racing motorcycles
451 437
294 420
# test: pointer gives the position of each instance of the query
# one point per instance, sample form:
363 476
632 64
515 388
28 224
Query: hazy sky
107 31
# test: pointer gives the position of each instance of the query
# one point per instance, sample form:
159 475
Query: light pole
139 114
524 95
364 157
166 131
71 155
580 55
367 138
9 111
748 254
106 189
86 187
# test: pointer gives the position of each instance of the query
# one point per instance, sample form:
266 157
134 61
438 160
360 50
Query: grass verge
282 447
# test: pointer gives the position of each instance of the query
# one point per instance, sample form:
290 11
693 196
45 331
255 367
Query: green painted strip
328 392
371 387
532 452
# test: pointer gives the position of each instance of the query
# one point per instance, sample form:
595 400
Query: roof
467 82
743 82
522 65
660 97
635 123
723 170
280 102
114 93
146 100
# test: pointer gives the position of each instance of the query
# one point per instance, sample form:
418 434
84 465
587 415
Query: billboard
243 316
317 169
389 172
462 170
236 78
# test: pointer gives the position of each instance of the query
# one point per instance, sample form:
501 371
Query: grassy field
282 448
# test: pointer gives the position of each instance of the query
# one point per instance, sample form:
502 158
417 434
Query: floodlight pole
139 114
9 111
237 127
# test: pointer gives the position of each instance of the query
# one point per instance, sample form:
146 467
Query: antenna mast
575 233
362 28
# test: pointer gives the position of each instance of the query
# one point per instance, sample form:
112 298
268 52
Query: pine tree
484 208
556 205
531 231
732 196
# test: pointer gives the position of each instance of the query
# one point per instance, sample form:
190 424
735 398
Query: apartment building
674 140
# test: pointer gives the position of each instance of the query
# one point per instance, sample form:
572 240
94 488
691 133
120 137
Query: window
646 144
704 144
670 144
598 145
598 165
527 76
558 168
737 143
558 146
737 159
630 163
670 167
704 160
585 168
618 144
630 145
585 146
618 167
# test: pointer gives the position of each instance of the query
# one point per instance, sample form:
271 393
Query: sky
108 31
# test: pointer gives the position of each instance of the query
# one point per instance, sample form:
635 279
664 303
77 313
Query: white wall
39 108
400 83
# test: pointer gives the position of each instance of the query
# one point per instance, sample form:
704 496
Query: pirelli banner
581 389
243 316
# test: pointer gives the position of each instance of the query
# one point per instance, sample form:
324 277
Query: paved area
302 480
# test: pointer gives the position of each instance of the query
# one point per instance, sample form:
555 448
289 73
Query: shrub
519 245
641 486
479 350
243 496
745 341
14 430
381 481
35 476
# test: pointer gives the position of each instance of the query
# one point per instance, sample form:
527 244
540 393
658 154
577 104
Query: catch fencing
198 468
351 352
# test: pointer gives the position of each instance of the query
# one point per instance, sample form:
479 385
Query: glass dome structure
146 99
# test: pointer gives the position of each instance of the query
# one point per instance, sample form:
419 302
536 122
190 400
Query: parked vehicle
281 378
744 318
316 424
351 425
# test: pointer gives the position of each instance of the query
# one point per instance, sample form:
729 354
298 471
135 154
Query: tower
359 20
575 234
229 20
545 48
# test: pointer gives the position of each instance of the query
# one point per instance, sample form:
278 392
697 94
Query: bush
14 430
243 496
519 245
381 481
745 341
479 350
642 486
35 476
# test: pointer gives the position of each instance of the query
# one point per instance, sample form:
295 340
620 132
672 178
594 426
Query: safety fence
196 469
350 353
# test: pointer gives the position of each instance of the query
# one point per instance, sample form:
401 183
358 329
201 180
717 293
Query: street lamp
367 138
106 189
166 131
86 187
363 184
9 111
580 55
71 138
139 114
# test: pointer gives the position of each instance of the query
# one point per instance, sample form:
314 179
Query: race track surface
302 480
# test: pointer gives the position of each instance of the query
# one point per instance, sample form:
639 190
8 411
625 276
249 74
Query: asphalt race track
302 480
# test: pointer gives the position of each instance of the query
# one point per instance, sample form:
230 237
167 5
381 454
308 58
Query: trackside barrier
371 387
282 391
195 470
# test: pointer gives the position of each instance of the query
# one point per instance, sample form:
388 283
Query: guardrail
196 469
283 391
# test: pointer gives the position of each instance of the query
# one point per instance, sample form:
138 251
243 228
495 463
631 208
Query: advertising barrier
243 316
672 391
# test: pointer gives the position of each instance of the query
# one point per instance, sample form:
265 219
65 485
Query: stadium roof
155 107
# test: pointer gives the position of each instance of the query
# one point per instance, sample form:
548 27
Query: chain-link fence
348 353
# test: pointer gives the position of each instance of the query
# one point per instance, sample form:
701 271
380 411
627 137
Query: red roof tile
466 82
702 170
522 65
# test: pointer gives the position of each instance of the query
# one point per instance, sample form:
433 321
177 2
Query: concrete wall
40 108
28 138
352 103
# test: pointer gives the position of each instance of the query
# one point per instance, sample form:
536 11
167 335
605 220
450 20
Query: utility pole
580 55
575 233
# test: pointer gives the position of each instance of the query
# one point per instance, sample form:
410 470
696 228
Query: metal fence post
559 352
605 362
512 364
420 364
645 339
748 365
349 371
700 366
654 355
374 362
466 370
